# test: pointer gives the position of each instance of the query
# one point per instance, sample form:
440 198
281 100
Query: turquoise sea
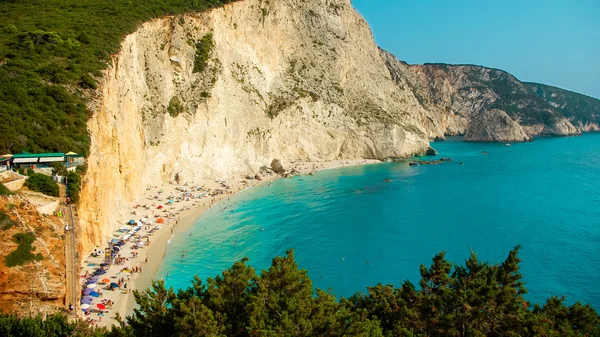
544 195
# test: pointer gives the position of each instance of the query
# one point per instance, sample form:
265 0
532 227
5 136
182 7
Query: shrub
81 169
58 169
175 107
87 82
42 183
203 51
73 186
23 253
4 190
5 221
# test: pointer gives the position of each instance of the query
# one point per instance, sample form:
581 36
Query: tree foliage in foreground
474 299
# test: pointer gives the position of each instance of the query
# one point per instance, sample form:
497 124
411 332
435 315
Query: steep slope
224 92
583 111
35 286
482 103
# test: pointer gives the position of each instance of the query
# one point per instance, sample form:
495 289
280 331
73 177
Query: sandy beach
140 257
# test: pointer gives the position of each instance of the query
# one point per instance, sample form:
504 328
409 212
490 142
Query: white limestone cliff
292 79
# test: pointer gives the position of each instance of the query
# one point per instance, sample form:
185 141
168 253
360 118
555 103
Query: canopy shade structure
93 285
115 285
33 158
84 306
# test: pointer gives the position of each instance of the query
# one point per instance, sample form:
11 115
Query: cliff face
481 103
583 111
294 80
36 286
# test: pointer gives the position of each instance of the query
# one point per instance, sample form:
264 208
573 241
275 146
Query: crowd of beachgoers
131 257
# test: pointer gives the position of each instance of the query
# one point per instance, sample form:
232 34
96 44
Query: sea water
351 229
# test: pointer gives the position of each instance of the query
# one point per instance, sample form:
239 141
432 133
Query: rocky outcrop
277 167
36 287
481 103
495 126
581 110
293 80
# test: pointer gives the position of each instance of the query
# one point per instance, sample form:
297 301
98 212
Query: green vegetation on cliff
577 107
24 251
4 190
51 54
42 183
474 299
510 94
5 221
203 51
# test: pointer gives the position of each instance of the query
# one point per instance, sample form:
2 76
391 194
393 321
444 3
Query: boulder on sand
277 167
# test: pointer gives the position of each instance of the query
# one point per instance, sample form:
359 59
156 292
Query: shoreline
154 251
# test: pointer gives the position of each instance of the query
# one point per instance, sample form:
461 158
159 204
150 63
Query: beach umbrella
94 294
84 306
160 206
160 220
103 264
93 279
140 244
87 291
86 300
105 280
101 306
115 285
91 286
114 240
132 222
116 248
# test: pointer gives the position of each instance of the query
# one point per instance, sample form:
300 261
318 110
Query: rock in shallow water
431 152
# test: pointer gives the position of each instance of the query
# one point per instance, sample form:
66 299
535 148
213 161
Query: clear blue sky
547 41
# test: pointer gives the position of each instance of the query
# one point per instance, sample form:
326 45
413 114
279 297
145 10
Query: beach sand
184 214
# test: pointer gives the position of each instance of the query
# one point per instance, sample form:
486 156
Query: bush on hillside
4 190
24 250
42 183
73 186
5 221
58 169
203 51
81 169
